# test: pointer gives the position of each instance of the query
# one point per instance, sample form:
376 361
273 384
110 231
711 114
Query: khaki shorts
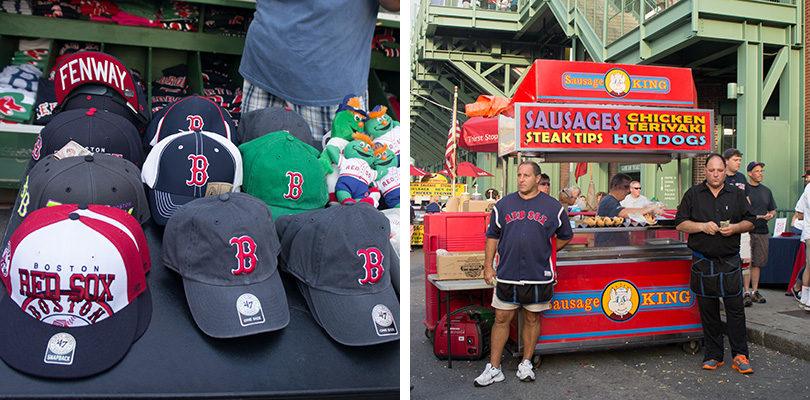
745 247
502 305
759 249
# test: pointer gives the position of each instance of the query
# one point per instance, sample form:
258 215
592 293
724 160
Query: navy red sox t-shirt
526 229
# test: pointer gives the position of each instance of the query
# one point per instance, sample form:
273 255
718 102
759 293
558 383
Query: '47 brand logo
373 265
294 187
199 170
245 253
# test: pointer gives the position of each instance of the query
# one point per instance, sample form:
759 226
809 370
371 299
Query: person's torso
729 205
527 229
311 53
760 197
609 207
738 180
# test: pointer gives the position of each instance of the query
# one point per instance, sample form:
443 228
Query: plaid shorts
318 118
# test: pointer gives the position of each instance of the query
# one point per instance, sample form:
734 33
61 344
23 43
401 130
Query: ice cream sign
561 127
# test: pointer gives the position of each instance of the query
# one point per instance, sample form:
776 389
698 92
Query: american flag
450 151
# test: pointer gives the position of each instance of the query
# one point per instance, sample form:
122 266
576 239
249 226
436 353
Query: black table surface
174 358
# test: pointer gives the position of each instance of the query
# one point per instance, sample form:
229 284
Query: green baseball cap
284 172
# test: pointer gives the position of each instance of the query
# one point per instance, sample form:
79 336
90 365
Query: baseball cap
753 164
352 102
345 279
84 261
226 249
806 173
285 173
731 152
180 167
88 79
273 119
94 179
188 114
99 131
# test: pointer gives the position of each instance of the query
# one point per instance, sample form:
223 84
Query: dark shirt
761 202
738 180
609 207
433 208
413 214
700 205
525 229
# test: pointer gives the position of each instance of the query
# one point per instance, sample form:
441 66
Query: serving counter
634 290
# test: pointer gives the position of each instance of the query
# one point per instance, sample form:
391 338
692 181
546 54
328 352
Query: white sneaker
525 371
489 376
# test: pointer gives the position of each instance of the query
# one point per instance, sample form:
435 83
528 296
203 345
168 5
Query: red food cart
619 285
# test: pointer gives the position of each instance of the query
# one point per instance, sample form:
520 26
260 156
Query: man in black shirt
764 207
714 215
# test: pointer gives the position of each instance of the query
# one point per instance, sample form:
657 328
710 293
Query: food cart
625 284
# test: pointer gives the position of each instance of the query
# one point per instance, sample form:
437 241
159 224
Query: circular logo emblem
620 300
382 315
129 93
61 343
618 82
248 304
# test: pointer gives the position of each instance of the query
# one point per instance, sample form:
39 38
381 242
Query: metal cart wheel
536 361
691 347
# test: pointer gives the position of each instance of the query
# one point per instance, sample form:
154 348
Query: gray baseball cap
226 249
260 122
345 278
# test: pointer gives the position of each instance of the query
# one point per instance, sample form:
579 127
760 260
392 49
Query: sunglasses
636 188
545 184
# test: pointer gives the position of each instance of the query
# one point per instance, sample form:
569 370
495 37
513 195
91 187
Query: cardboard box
460 265
452 204
478 206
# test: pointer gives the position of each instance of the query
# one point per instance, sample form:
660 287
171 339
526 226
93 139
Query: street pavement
778 344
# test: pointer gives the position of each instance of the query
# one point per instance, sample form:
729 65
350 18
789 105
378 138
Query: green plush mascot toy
358 169
383 129
388 183
349 119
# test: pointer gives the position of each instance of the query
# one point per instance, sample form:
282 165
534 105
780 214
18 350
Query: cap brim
163 205
98 347
144 312
349 319
215 308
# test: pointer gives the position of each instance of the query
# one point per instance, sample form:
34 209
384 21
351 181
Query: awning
480 134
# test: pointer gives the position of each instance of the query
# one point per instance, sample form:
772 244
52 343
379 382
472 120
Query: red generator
469 337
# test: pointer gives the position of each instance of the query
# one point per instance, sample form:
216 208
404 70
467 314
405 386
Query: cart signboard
587 82
545 127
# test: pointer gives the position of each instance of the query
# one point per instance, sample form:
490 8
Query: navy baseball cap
226 249
753 164
180 167
352 102
97 179
90 79
345 278
190 113
260 122
99 131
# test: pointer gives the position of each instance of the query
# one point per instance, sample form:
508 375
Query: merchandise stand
174 358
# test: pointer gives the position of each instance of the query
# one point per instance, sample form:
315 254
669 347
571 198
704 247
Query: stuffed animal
383 129
357 171
388 184
349 119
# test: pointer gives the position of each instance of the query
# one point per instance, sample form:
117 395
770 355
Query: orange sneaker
711 364
741 364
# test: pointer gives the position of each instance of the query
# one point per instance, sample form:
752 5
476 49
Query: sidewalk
778 324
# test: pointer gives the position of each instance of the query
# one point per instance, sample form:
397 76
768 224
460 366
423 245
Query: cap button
290 138
224 197
288 108
82 206
73 216
88 158
91 111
